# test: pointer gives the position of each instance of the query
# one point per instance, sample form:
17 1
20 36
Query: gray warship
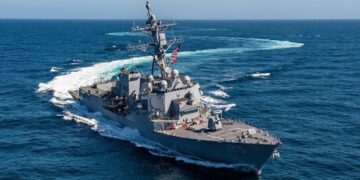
167 109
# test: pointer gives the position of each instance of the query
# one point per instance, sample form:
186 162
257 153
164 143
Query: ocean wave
214 103
224 107
54 69
284 44
260 75
223 88
75 61
211 100
60 102
219 93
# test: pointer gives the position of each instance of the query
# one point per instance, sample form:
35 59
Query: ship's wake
72 110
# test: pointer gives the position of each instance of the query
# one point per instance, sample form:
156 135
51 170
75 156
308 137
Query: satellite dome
187 80
164 84
175 73
168 70
151 77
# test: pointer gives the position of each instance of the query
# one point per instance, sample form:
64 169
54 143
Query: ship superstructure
167 109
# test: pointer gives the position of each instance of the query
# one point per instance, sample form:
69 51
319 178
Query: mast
156 29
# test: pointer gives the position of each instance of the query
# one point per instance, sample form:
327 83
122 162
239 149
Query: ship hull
249 156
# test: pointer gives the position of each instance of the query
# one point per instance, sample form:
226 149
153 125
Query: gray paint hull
251 156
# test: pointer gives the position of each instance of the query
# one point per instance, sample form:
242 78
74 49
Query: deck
236 132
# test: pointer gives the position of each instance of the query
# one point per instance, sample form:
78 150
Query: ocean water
298 79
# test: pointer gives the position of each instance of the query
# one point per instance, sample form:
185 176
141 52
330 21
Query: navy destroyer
167 108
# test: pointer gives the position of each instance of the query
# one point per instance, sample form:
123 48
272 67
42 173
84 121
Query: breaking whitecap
75 61
260 75
219 93
54 69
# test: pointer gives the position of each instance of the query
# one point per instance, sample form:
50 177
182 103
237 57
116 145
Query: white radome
187 80
164 84
151 77
175 73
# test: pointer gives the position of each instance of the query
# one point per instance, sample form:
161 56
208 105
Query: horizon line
121 19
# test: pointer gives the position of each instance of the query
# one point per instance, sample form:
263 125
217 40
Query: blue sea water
309 98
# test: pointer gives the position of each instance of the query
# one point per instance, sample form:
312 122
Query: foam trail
60 85
54 69
260 75
211 100
225 107
105 127
219 93
75 61
253 43
273 45
222 88
216 103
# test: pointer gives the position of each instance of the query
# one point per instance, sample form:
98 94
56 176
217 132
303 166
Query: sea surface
307 93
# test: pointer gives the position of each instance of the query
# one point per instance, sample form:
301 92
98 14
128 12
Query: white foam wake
224 107
249 44
260 75
54 69
211 100
270 45
222 88
214 103
75 61
219 93
105 127
61 84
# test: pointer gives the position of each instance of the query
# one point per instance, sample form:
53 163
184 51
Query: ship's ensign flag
174 55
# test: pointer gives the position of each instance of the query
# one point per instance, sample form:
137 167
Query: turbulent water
298 79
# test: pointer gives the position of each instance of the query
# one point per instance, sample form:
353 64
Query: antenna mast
156 29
